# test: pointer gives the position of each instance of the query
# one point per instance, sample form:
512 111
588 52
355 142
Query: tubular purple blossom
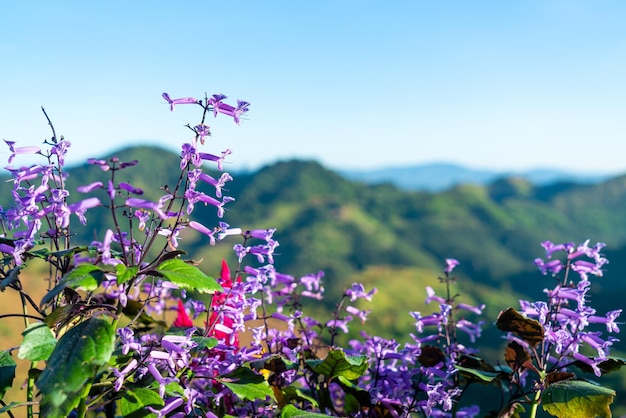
264 234
157 207
7 249
431 296
202 131
478 310
203 230
183 100
130 188
20 150
218 159
451 263
87 188
609 320
552 266
220 107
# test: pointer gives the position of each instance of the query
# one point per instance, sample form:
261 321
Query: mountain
441 176
326 221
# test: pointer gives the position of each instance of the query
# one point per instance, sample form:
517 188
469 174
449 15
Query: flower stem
535 406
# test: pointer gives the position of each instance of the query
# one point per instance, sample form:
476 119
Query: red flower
182 319
219 318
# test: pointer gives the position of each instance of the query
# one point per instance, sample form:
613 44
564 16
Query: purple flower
90 187
157 207
143 216
226 109
551 248
593 363
357 291
163 381
171 404
424 321
79 208
451 263
597 343
197 174
609 320
128 341
104 166
362 315
438 395
60 150
431 296
585 267
173 102
471 329
121 374
7 249
218 159
189 154
203 230
202 131
106 249
20 150
342 324
225 231
130 188
478 310
552 266
194 197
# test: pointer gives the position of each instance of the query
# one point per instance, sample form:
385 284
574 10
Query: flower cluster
130 327
566 316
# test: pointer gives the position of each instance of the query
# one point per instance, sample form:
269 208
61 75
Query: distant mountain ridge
436 177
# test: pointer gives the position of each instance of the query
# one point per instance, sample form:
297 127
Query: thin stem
30 386
82 406
54 134
37 318
535 404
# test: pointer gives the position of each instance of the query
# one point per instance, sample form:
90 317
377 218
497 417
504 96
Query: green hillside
325 222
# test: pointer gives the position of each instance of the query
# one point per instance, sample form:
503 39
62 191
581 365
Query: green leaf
63 315
135 401
527 329
7 371
124 273
85 276
291 411
338 364
69 252
356 397
75 359
577 399
294 394
14 275
42 253
246 384
186 276
477 375
38 342
204 343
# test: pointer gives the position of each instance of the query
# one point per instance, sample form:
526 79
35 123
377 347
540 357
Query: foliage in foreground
98 341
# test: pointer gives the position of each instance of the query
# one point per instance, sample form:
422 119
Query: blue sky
506 85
